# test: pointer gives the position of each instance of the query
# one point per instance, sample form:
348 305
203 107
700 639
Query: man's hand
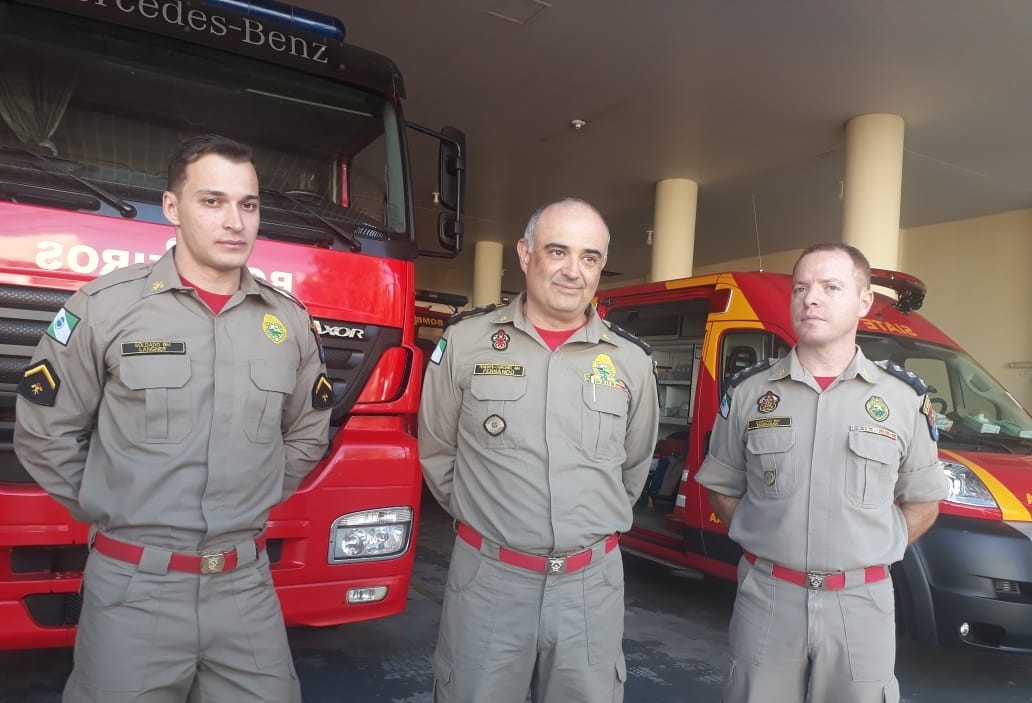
919 517
724 506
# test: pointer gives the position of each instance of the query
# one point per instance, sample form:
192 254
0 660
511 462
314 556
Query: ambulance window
935 373
740 350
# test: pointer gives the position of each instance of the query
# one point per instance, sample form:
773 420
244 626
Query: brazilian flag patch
39 384
322 393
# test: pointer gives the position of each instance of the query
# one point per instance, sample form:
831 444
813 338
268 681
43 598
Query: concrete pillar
673 237
487 273
873 184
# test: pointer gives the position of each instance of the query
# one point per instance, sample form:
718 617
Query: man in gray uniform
536 431
823 465
171 405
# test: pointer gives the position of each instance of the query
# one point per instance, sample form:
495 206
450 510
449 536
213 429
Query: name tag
498 370
139 348
874 430
764 422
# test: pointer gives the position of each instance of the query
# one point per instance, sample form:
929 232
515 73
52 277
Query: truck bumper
967 583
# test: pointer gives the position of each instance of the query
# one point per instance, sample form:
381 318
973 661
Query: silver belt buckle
213 563
556 565
815 580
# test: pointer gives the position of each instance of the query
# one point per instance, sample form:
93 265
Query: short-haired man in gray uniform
537 427
823 465
171 405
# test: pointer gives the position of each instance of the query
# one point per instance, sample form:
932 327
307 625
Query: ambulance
967 583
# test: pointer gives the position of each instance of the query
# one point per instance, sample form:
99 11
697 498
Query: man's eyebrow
222 194
566 247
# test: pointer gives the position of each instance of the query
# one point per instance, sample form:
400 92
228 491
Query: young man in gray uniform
171 405
536 431
823 465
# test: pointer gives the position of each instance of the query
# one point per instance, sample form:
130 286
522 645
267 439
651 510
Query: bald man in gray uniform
171 405
807 461
537 427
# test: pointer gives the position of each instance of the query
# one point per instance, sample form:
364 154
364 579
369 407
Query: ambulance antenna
756 226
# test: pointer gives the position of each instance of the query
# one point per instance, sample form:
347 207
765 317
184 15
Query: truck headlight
966 488
370 534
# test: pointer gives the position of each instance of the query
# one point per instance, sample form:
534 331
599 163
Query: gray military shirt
817 471
170 425
542 451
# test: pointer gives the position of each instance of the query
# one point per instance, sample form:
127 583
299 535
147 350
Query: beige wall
979 277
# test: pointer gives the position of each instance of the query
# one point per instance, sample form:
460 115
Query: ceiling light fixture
578 124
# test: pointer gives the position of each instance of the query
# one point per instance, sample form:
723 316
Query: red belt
821 580
552 564
190 563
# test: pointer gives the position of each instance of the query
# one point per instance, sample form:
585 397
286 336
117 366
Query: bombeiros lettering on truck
966 582
114 86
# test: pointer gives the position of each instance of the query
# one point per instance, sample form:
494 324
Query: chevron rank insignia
322 393
39 384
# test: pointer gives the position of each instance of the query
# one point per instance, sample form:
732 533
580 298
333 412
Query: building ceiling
747 97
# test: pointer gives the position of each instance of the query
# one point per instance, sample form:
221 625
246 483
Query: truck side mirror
452 168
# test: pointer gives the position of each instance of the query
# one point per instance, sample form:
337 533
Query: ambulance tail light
370 535
966 488
389 378
720 302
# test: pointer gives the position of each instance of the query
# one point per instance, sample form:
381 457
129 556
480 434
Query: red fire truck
94 95
968 581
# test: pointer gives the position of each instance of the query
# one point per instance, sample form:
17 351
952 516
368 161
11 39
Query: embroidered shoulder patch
322 393
61 328
39 384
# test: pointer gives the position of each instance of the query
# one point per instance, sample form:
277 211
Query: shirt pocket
159 408
604 421
873 466
768 457
268 384
492 408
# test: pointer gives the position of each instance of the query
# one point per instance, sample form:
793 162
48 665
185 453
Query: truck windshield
971 407
107 106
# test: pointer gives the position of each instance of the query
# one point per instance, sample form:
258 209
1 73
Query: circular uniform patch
500 341
494 425
768 402
877 408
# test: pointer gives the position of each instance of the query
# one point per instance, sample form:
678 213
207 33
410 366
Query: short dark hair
861 265
193 148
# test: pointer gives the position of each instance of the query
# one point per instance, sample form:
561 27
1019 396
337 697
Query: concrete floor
675 644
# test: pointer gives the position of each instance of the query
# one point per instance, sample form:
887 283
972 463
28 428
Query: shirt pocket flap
871 446
273 377
498 387
772 440
154 371
605 399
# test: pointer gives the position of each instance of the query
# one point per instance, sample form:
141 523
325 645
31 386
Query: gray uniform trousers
156 636
790 644
505 629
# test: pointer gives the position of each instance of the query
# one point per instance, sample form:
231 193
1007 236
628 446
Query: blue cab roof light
282 13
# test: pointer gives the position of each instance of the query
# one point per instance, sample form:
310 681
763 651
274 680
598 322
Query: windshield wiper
295 199
125 208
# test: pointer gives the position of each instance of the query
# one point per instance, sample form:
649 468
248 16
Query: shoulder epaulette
761 365
908 377
472 312
630 337
285 293
122 275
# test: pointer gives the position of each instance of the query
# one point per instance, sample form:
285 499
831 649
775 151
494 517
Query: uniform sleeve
57 403
306 414
921 478
642 429
439 410
723 470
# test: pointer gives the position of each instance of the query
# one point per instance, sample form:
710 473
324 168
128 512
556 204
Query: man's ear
170 206
866 301
523 253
